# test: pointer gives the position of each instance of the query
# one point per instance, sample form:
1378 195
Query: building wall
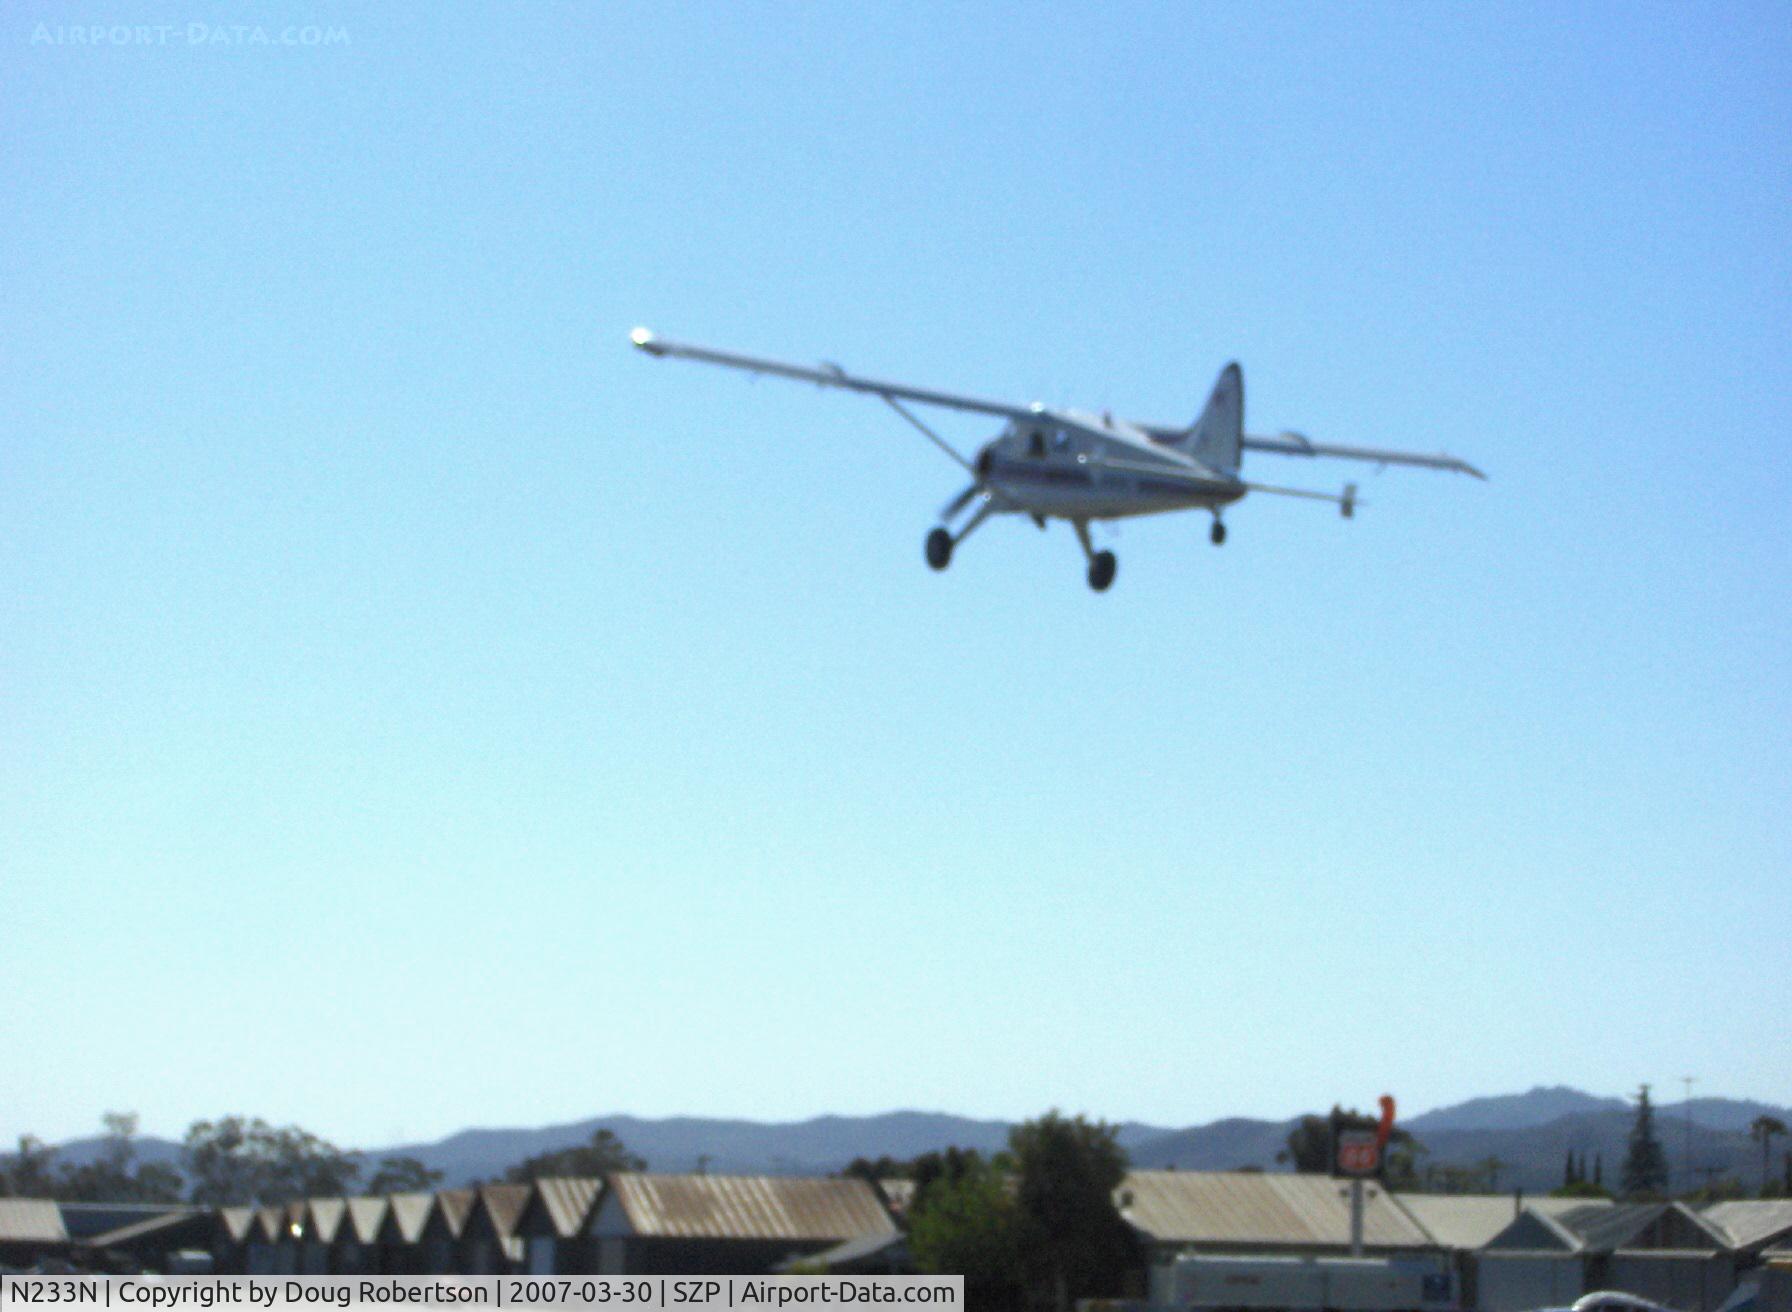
701 1257
1519 1282
1692 1283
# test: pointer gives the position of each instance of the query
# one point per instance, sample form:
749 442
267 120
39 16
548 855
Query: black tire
1102 570
939 548
1218 534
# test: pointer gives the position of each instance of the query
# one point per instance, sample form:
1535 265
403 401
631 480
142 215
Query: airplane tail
1215 438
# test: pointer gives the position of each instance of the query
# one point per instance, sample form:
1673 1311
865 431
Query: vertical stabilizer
1215 437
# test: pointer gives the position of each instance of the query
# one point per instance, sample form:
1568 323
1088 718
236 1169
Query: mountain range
1527 1134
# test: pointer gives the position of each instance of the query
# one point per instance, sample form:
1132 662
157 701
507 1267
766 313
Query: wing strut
929 434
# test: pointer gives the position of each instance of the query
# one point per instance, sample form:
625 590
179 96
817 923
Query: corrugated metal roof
749 1207
1753 1222
149 1227
502 1205
31 1221
566 1201
451 1208
406 1215
1468 1221
1604 1229
1249 1207
364 1217
270 1224
323 1218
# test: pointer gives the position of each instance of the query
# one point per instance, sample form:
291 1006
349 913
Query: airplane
1050 463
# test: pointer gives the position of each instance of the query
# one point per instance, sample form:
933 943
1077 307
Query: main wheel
1217 535
939 548
1101 570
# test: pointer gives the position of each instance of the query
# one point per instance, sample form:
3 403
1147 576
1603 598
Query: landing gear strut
941 541
1102 565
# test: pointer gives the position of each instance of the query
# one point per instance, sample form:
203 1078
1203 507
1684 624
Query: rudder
1215 438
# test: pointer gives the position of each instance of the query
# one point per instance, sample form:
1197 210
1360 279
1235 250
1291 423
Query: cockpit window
1061 440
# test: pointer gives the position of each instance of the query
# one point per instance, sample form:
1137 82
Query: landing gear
1102 565
939 548
940 542
1217 534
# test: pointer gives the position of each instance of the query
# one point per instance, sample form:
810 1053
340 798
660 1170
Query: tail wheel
939 548
1102 567
1217 535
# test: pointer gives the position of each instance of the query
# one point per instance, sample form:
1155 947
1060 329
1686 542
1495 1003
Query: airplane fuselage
1063 464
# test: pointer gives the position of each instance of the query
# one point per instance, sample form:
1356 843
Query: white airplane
1068 464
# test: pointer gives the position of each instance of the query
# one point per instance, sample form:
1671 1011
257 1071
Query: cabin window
1061 440
1036 445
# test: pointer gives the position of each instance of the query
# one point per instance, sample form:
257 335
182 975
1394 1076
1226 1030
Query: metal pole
1688 1081
1356 1218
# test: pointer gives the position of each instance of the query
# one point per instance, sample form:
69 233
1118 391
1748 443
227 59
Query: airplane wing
826 375
1296 444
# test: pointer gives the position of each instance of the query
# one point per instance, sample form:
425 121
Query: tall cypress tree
1645 1164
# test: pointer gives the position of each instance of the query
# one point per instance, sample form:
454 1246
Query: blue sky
420 710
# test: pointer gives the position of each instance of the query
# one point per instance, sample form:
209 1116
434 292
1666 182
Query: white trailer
1219 1283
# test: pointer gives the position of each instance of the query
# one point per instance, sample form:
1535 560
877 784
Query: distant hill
1222 1146
1514 1111
1530 1133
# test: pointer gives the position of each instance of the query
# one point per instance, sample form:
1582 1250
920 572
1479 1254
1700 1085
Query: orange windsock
1386 1128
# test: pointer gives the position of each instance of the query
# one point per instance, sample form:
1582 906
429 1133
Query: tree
403 1175
1762 1130
1309 1146
1073 1243
29 1175
1490 1168
239 1160
969 1225
1645 1173
1309 1142
113 1176
1580 1189
602 1155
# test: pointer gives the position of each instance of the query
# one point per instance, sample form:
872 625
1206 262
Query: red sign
1359 1152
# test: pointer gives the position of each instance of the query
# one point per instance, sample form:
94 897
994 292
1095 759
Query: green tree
1073 1243
30 1173
603 1154
115 1175
1580 1189
237 1159
969 1225
1762 1130
1490 1168
1308 1146
403 1175
1645 1173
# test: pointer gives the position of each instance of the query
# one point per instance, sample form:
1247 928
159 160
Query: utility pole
1689 1081
1356 1218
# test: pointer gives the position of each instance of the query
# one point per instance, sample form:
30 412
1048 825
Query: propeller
960 501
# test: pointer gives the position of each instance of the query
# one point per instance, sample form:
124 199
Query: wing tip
644 340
